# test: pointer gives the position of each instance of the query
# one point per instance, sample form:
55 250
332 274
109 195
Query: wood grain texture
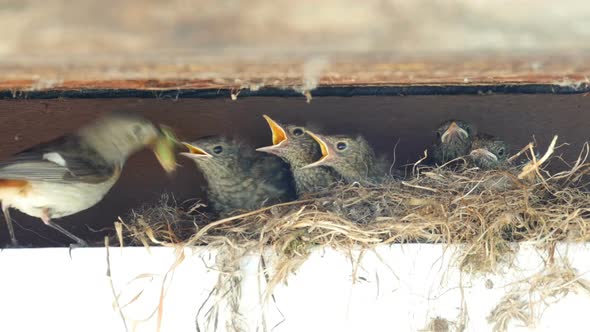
572 72
239 44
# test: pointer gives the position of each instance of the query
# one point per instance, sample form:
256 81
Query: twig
419 187
523 150
204 230
419 161
115 297
534 166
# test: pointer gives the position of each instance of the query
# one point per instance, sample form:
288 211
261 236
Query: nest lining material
485 213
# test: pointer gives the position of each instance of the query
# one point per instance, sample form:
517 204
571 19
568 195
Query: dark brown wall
383 120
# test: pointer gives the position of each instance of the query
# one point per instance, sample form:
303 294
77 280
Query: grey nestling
239 178
292 144
489 152
351 157
453 140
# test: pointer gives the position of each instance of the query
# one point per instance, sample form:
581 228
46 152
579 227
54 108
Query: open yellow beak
327 153
194 151
454 131
279 136
164 149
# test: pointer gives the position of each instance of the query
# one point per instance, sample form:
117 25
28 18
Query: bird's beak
453 132
279 136
164 149
483 153
194 152
327 152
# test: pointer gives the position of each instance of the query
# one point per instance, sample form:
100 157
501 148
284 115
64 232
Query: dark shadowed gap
384 120
333 91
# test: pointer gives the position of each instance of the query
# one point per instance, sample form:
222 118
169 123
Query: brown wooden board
476 73
401 123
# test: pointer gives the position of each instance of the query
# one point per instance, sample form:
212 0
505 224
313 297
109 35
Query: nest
485 212
529 298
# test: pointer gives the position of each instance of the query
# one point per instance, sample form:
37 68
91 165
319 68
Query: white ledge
397 288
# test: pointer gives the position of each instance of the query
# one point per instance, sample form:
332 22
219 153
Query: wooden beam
303 75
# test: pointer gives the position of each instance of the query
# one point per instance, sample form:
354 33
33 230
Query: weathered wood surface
305 75
209 44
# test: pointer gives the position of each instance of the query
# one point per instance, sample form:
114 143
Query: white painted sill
398 288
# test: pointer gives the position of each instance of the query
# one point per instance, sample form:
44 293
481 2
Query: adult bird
298 149
453 140
239 178
350 156
74 172
488 152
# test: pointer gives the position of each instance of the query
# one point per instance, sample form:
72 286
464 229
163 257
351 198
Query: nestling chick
351 157
296 147
488 152
74 172
453 140
239 178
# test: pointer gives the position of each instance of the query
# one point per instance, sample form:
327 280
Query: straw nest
485 212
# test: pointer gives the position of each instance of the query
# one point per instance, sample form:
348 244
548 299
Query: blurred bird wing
62 160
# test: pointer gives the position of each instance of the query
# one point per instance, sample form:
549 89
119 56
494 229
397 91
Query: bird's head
214 153
291 143
453 132
454 137
119 135
489 152
352 157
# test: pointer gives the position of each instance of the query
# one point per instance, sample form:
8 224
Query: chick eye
341 146
218 149
501 152
298 132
